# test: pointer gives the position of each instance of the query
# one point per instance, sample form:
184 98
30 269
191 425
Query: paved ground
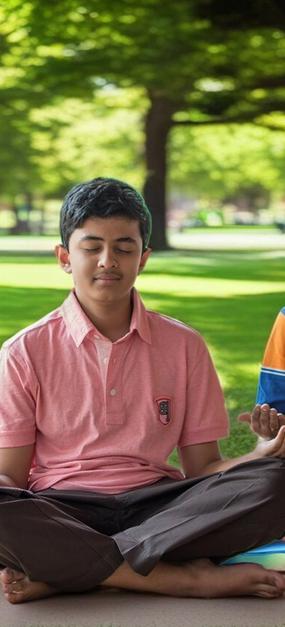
245 239
116 609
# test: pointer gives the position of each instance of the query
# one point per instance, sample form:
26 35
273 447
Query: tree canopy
196 63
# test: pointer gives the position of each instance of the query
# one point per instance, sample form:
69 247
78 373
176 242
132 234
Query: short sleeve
206 417
271 384
17 400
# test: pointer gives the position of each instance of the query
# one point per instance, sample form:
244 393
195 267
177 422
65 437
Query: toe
279 580
13 597
9 574
14 586
17 575
268 592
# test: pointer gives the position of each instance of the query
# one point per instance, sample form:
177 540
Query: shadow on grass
22 306
230 266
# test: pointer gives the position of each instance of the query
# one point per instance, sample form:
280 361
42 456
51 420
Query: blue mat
268 555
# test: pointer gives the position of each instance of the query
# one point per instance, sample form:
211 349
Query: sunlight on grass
50 275
35 275
189 286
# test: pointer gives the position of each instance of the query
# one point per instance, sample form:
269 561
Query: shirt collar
139 319
76 320
79 325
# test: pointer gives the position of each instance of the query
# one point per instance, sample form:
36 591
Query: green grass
231 298
229 227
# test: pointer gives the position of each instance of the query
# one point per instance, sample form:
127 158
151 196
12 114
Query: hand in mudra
265 421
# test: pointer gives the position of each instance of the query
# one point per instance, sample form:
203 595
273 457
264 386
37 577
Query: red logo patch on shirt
164 412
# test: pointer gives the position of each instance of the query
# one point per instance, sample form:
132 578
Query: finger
265 431
255 419
277 445
245 417
281 419
273 421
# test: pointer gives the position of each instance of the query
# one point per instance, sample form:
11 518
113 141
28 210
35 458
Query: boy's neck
112 322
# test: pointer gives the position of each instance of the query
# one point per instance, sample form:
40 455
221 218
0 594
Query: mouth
107 278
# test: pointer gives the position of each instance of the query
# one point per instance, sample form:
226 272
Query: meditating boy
93 399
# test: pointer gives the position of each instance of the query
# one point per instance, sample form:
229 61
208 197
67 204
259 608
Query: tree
188 57
220 162
103 134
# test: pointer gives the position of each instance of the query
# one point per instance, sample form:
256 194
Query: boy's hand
264 421
272 448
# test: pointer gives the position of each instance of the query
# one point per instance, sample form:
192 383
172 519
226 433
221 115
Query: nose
107 259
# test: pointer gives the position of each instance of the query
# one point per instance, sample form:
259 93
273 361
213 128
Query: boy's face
105 257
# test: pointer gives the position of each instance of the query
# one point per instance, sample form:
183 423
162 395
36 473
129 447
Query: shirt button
105 360
113 392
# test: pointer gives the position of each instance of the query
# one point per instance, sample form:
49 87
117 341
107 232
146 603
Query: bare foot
208 580
18 588
201 578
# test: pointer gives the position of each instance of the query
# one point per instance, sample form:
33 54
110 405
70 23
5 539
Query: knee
271 481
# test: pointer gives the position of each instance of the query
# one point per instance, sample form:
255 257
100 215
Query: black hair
103 198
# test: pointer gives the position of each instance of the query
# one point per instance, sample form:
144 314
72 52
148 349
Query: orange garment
271 384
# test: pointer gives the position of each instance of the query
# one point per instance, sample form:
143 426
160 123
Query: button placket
103 350
115 413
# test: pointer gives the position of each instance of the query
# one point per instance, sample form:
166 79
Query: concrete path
245 239
126 609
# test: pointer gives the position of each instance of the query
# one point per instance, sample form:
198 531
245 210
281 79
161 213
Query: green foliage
215 162
193 62
102 138
258 13
166 48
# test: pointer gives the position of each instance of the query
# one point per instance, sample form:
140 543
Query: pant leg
214 517
39 538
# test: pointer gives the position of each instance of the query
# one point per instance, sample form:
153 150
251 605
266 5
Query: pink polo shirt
105 416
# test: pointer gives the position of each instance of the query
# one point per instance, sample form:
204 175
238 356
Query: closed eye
91 250
117 250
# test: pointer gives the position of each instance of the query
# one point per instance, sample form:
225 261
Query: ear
63 258
144 259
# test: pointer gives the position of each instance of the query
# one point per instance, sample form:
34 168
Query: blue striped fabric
271 388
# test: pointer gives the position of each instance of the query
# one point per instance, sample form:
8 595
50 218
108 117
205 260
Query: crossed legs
169 575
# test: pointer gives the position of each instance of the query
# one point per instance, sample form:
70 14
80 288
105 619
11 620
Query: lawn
231 298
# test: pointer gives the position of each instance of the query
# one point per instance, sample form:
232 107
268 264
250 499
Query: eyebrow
95 238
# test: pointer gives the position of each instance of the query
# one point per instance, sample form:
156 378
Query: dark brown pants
74 539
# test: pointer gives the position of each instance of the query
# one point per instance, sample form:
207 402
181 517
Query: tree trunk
42 217
29 208
18 226
22 215
157 126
